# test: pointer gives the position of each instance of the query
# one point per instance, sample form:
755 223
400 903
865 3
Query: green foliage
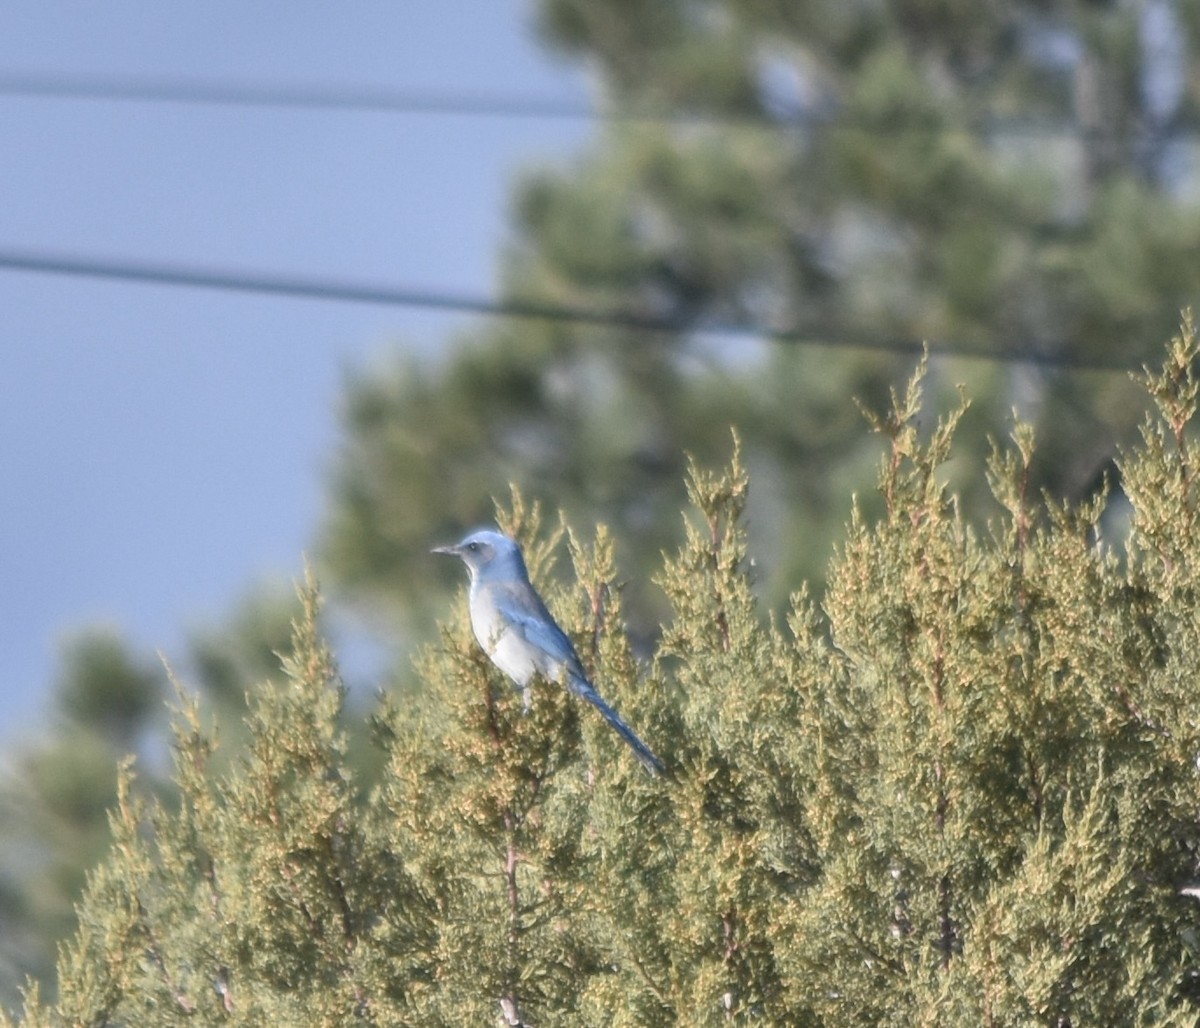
962 790
863 176
103 685
229 659
54 794
109 701
252 897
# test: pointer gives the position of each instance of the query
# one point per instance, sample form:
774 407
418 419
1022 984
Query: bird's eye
472 547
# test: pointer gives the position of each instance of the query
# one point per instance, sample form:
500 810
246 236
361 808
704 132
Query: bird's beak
450 550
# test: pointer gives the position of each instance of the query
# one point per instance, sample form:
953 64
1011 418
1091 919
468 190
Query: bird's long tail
583 688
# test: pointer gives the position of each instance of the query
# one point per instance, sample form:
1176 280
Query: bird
518 633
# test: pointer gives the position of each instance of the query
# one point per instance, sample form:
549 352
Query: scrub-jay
517 632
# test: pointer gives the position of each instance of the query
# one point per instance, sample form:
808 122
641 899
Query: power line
300 287
381 100
244 94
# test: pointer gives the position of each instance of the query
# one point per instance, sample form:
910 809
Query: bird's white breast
505 646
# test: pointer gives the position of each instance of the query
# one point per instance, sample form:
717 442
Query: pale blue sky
163 448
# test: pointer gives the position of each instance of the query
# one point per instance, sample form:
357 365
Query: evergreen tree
962 790
55 791
108 701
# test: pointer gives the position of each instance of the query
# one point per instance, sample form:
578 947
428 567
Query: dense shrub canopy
962 789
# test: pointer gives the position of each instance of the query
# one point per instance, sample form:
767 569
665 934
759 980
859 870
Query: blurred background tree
799 194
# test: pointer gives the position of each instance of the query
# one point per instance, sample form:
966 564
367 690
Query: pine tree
862 176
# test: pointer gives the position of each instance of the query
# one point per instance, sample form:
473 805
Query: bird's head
488 555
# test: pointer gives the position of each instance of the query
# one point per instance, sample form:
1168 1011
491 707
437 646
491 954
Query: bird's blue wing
523 609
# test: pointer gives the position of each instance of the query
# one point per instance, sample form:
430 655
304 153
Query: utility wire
301 287
366 99
234 94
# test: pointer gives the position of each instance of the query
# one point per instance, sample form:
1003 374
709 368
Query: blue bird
518 633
